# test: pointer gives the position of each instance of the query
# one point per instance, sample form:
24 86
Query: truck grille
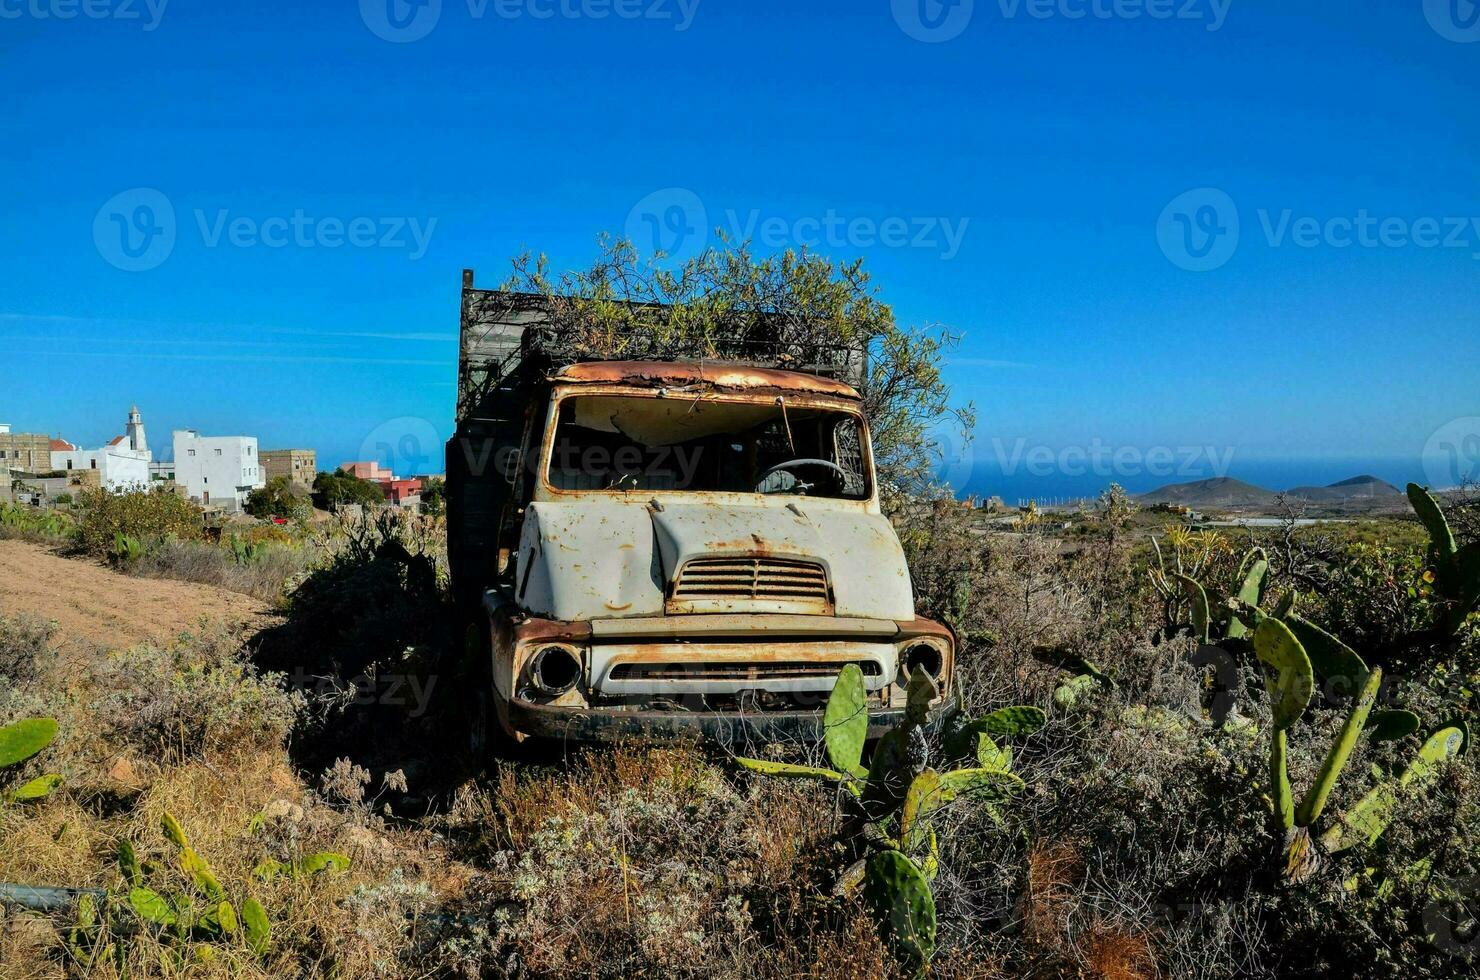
751 579
700 670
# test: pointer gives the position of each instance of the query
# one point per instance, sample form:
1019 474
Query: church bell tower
135 431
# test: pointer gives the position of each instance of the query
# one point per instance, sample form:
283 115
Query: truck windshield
633 443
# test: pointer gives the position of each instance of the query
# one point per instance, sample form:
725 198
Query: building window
218 452
191 451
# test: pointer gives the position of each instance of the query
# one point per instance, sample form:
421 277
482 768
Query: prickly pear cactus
919 693
1289 677
900 896
23 739
1365 822
845 721
916 749
1329 657
768 768
20 741
1251 588
1341 750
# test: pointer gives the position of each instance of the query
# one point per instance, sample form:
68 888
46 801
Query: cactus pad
900 896
23 739
1010 722
768 768
1341 750
1432 517
1329 657
1289 678
1385 726
845 722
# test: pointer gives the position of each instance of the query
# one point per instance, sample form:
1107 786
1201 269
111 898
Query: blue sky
1007 167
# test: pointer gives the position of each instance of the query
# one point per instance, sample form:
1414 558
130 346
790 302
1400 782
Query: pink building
398 491
367 471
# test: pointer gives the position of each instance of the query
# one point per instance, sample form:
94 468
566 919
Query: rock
121 770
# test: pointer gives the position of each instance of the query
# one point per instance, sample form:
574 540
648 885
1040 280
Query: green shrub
137 514
31 524
280 498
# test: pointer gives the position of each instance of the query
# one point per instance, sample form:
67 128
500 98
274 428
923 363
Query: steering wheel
792 464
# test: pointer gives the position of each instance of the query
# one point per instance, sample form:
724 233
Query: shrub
138 514
644 862
272 570
280 498
25 647
373 597
198 694
335 490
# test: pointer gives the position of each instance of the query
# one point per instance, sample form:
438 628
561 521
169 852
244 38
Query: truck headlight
553 670
927 654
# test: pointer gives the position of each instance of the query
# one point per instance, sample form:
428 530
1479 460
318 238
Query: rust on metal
684 373
535 630
919 626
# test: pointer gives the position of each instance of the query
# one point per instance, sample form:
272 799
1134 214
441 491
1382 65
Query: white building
217 471
123 464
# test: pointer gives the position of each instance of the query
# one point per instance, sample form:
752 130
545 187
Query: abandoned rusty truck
653 547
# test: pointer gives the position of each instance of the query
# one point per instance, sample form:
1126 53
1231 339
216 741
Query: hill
1358 486
1221 491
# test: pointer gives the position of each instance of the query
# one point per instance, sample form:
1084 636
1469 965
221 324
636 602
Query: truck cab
679 547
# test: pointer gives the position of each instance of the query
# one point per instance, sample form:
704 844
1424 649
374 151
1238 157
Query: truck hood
603 558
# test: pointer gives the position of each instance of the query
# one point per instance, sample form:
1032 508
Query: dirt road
91 601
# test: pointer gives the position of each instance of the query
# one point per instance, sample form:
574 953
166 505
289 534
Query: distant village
218 473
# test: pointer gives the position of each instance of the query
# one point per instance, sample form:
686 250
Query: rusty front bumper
725 727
